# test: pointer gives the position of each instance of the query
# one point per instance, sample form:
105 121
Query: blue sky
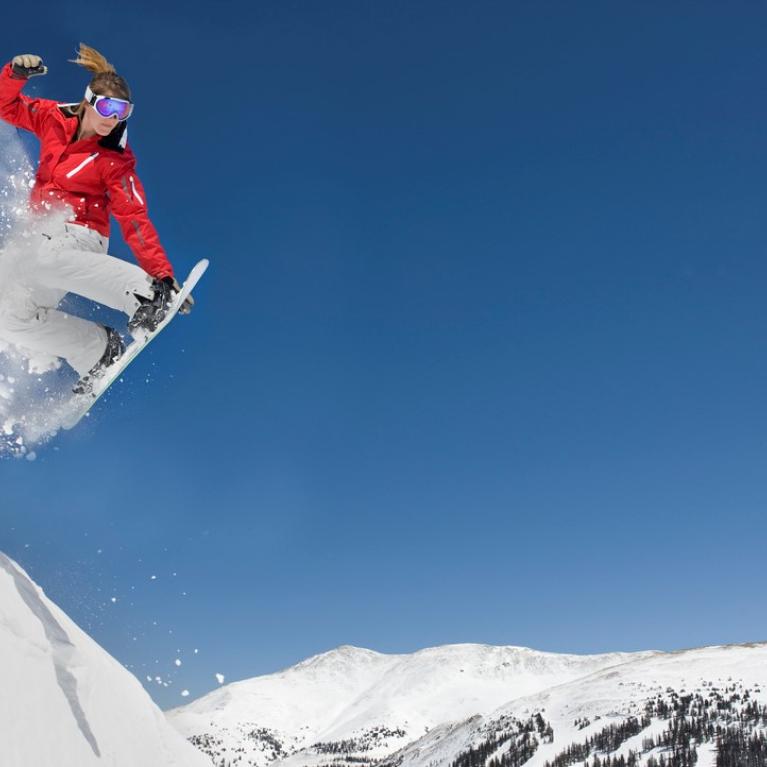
481 353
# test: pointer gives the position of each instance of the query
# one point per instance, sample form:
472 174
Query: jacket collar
117 139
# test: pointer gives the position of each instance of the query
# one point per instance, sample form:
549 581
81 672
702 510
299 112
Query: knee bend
21 317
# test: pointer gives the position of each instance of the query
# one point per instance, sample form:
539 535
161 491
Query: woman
87 167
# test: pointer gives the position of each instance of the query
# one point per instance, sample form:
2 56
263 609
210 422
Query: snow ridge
62 648
64 701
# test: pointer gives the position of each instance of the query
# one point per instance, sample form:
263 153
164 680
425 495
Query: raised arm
16 108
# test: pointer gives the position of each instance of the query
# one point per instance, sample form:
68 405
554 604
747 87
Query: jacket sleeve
18 109
128 206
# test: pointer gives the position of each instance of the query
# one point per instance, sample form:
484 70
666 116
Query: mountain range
66 703
436 706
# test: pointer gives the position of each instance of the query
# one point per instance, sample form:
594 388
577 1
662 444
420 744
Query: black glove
28 65
188 304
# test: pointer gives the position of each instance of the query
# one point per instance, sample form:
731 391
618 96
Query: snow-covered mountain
481 706
367 703
622 708
64 701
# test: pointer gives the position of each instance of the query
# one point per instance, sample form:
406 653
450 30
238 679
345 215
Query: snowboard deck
80 404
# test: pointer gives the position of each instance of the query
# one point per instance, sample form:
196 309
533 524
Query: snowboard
80 404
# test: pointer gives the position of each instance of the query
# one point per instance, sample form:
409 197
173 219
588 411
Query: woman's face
93 121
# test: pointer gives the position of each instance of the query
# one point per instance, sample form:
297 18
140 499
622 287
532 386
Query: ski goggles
107 106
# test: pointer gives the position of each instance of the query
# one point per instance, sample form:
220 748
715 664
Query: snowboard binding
115 349
152 311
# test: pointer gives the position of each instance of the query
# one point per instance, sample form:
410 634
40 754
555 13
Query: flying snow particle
114 600
220 678
184 693
177 661
153 578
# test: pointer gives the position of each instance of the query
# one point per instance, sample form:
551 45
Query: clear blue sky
482 354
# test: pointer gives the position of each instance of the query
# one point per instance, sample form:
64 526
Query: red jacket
94 180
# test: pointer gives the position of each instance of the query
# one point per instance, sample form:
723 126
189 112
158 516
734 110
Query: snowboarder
86 165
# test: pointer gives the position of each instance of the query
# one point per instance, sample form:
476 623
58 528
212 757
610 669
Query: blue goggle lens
108 107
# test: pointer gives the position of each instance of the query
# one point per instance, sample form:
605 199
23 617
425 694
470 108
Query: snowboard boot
152 311
113 352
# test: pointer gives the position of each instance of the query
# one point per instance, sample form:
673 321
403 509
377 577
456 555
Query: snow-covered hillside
367 703
64 701
621 709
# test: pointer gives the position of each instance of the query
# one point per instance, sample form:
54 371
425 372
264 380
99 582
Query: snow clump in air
35 390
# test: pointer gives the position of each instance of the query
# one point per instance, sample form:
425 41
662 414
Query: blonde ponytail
93 61
105 80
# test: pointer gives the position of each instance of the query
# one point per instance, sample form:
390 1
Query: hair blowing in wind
105 79
93 61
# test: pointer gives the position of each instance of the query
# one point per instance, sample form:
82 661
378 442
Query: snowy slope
364 702
609 696
64 701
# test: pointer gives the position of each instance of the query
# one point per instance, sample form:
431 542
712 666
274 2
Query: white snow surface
385 701
64 701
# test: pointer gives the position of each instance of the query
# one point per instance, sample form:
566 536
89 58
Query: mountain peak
343 655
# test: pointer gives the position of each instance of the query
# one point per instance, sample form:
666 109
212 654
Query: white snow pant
72 260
